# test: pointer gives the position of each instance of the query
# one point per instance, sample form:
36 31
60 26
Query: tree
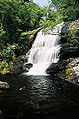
17 16
69 8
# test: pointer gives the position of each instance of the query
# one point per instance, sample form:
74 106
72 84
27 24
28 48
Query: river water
38 97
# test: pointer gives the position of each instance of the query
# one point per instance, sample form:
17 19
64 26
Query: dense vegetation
61 10
17 16
68 8
20 18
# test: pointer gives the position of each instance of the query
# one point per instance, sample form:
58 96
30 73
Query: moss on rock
4 85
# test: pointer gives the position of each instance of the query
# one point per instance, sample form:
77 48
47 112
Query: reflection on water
36 97
41 86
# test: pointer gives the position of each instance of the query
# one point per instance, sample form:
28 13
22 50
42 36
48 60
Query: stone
27 66
67 52
4 85
55 68
16 67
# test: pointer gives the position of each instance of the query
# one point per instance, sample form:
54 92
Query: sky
41 2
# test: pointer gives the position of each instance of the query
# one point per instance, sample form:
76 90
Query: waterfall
44 51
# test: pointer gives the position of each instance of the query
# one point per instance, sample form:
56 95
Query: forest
19 19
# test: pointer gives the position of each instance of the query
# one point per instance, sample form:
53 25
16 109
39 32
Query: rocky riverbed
70 53
72 70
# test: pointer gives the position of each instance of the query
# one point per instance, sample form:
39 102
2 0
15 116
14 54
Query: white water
44 51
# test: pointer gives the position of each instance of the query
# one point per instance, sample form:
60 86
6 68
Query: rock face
72 70
70 40
57 69
68 66
66 69
67 52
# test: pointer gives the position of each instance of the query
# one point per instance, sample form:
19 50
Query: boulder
4 85
27 66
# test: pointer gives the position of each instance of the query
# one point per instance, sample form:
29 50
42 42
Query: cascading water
44 51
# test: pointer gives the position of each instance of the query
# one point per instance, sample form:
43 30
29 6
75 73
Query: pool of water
38 97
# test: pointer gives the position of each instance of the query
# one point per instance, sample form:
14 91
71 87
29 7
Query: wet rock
52 69
63 39
69 40
67 52
72 70
17 67
55 68
27 66
68 66
4 85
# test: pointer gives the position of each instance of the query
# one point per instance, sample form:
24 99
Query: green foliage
58 2
71 12
77 33
3 64
73 37
17 16
2 35
68 8
72 33
6 53
52 18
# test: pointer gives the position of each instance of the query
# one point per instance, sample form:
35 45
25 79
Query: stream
38 97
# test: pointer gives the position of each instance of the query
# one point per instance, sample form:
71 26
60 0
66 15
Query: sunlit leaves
69 8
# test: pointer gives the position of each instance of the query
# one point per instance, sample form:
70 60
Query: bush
17 17
77 33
